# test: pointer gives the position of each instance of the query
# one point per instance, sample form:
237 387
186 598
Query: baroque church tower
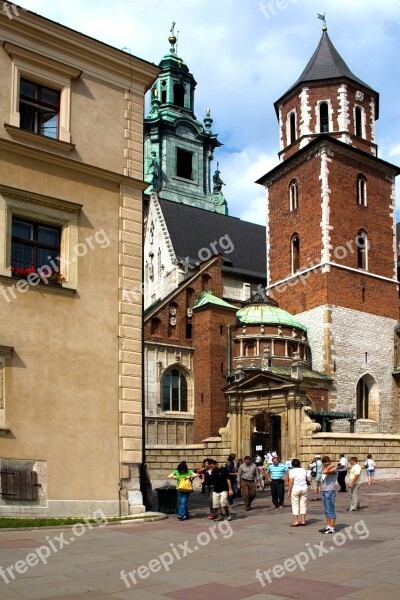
331 237
178 148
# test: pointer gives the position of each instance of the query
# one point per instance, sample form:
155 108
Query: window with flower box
35 248
41 234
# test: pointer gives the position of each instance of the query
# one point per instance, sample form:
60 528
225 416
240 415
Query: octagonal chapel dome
262 310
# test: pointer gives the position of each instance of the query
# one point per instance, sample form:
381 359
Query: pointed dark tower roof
326 63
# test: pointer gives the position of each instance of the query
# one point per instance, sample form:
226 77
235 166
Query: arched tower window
295 252
155 326
174 391
361 190
323 117
362 400
205 282
250 350
292 124
362 249
179 95
358 118
293 195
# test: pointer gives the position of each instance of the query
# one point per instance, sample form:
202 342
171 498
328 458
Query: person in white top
298 484
370 466
341 470
354 483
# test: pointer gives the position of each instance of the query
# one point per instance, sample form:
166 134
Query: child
370 466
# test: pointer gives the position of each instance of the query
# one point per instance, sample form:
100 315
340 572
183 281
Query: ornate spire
208 121
172 38
322 17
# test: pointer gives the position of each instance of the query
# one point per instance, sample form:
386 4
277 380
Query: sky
244 54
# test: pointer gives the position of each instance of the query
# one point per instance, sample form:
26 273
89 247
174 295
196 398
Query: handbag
185 485
308 482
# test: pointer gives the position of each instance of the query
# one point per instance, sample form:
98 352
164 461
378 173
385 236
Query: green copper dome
265 314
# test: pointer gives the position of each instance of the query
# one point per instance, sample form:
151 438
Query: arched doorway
367 398
266 433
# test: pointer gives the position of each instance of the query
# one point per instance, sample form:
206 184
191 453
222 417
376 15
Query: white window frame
363 128
39 69
361 179
43 209
288 129
293 195
318 120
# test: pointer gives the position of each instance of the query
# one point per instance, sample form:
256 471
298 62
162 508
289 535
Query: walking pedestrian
277 475
184 476
354 483
297 490
342 468
247 479
328 494
315 467
222 488
230 465
370 466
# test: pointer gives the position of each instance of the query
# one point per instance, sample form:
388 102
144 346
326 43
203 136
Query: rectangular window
34 246
39 108
184 163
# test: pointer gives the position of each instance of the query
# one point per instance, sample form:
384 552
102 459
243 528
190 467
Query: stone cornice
70 164
59 43
53 65
40 140
17 194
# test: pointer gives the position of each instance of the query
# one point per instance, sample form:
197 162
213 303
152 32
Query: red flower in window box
47 276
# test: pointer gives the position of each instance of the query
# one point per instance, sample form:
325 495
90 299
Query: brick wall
210 369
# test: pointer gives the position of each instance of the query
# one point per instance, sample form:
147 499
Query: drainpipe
230 325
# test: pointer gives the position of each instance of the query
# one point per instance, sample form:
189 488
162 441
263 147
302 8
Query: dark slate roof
325 63
193 232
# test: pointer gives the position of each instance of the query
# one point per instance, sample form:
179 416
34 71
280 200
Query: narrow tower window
292 128
358 112
295 243
362 250
293 195
362 400
323 117
184 163
361 190
179 95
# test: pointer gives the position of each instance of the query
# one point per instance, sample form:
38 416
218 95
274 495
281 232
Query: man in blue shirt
277 475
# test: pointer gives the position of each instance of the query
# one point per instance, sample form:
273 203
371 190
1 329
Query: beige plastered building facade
71 354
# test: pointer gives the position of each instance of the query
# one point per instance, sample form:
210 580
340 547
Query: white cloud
244 61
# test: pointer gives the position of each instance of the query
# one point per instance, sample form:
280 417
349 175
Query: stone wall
161 460
368 353
385 450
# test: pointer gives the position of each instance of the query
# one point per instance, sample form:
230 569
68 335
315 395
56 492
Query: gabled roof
325 63
198 234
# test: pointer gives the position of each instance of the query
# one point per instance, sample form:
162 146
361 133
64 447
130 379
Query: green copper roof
260 314
209 298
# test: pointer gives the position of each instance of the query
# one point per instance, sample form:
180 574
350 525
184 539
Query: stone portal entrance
266 433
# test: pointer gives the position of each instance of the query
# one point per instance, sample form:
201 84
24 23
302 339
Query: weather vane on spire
172 37
323 18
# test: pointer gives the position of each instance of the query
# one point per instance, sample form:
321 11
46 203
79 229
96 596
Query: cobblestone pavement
256 556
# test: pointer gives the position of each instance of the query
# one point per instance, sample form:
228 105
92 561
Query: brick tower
331 235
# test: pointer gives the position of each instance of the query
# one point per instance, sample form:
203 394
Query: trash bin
166 496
